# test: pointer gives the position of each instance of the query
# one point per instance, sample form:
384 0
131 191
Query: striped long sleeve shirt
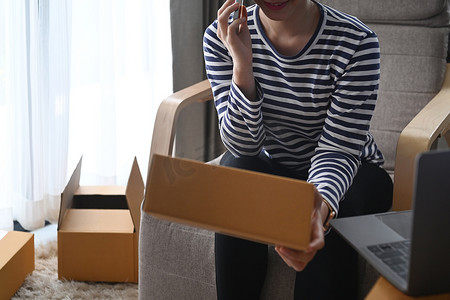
313 110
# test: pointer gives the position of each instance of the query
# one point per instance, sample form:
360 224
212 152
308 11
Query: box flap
135 194
255 206
69 191
97 221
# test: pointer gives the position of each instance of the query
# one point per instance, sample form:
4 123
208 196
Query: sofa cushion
429 13
175 261
413 61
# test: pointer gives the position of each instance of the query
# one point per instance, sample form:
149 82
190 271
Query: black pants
332 274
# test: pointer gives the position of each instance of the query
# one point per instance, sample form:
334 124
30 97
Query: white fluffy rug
43 283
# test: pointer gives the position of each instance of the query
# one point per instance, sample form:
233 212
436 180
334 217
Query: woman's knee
251 163
371 192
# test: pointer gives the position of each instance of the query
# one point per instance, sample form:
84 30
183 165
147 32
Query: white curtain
77 78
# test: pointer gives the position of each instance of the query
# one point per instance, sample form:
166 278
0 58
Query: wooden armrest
383 289
167 115
418 136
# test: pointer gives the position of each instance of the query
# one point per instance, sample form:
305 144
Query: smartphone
239 13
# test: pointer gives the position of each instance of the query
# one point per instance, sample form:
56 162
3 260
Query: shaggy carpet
43 283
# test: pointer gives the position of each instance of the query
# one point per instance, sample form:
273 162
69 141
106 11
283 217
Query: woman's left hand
299 259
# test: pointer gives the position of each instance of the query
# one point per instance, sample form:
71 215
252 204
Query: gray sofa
177 262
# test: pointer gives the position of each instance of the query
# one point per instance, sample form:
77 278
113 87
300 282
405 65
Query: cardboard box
16 260
255 206
98 230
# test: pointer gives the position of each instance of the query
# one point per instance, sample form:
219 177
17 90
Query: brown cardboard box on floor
255 206
16 260
98 230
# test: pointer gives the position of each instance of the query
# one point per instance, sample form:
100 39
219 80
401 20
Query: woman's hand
236 38
299 259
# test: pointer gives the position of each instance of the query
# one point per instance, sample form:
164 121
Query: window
77 78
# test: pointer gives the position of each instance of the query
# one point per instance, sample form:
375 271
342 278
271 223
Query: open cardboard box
98 230
16 260
255 206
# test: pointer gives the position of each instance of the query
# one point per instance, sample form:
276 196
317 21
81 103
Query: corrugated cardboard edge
69 191
135 194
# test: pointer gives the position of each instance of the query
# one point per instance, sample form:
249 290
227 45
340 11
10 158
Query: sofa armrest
167 115
431 122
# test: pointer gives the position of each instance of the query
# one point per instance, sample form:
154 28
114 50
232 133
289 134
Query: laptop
411 249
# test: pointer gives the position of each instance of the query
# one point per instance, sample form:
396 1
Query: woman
295 85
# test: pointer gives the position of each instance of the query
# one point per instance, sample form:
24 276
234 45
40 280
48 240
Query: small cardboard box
255 206
98 230
16 260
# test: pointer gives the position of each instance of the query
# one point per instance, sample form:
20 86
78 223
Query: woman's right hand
236 38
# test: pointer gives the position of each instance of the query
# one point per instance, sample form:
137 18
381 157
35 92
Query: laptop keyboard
395 255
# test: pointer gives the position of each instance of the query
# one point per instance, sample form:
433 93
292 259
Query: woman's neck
290 35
